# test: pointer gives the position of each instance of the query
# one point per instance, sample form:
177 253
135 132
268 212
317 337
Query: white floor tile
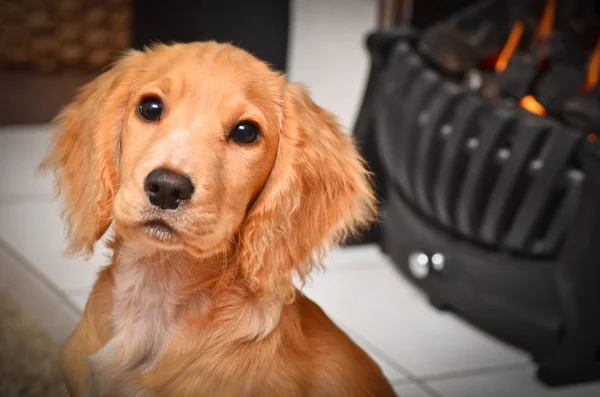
363 257
21 151
391 373
518 383
49 307
382 307
35 231
79 298
410 390
327 52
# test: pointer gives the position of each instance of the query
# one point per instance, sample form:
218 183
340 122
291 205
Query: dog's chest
146 302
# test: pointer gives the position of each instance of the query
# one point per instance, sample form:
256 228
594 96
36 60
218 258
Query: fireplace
482 130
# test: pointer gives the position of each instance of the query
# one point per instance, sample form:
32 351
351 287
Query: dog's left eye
245 133
150 109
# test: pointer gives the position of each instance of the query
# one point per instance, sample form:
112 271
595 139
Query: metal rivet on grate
418 264
423 118
503 154
538 246
430 75
473 79
438 262
446 130
575 175
472 143
536 165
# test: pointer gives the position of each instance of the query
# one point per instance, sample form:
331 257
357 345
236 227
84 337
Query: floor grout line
476 372
51 308
340 269
423 381
35 272
402 382
27 199
421 385
380 354
429 390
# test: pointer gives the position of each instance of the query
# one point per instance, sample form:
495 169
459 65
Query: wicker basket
52 35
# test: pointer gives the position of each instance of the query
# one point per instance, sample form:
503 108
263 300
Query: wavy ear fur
318 192
83 155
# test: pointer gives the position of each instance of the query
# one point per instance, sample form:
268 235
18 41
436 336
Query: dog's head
203 148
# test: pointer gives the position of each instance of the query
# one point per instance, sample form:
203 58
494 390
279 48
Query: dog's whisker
224 267
189 273
235 270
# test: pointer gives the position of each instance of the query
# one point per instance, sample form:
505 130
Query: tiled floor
423 352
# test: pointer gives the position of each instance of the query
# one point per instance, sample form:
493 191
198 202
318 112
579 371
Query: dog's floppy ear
83 155
318 192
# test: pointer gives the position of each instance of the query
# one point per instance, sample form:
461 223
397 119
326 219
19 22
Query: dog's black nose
167 189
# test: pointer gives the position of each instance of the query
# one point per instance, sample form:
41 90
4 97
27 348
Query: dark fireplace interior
481 128
541 55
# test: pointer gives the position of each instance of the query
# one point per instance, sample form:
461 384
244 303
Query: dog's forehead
209 68
220 61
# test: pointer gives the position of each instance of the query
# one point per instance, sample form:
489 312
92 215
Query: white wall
327 52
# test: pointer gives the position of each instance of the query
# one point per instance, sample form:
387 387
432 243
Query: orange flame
546 24
542 32
591 137
544 27
531 104
511 45
593 74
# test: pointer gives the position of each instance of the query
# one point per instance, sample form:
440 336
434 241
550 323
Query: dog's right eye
150 109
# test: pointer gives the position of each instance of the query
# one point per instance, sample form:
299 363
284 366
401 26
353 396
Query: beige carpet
28 357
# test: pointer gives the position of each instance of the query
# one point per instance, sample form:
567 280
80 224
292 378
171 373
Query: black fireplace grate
483 169
492 210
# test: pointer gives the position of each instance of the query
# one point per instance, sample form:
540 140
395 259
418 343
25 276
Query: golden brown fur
210 310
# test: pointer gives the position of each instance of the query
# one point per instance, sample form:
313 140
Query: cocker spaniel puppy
223 183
